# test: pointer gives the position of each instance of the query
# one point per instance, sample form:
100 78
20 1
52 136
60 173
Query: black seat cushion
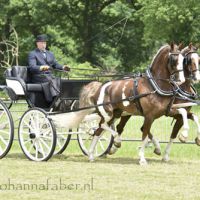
20 72
34 87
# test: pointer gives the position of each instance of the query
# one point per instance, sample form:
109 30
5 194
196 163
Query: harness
135 94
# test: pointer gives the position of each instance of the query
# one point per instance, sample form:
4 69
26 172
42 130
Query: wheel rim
36 135
85 137
63 139
6 131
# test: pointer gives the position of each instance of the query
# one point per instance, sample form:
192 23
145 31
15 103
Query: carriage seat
17 78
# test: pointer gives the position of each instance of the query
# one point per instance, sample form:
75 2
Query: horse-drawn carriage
165 89
38 136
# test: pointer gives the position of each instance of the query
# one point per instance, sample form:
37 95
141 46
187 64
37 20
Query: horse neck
159 70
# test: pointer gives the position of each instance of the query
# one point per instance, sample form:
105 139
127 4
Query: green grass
115 177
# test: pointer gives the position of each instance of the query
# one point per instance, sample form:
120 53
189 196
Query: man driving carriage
40 64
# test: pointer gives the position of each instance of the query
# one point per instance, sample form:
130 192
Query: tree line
112 35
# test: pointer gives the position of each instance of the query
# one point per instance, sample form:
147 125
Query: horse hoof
117 144
143 162
157 151
112 150
197 141
165 159
182 138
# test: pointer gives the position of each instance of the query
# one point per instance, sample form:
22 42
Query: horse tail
73 119
87 94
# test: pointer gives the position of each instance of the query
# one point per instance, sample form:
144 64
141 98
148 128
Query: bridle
174 72
186 62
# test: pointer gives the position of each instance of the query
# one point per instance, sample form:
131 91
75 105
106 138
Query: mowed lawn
71 176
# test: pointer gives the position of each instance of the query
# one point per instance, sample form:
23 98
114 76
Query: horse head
168 64
191 63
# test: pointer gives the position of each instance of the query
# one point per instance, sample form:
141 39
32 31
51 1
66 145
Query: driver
40 62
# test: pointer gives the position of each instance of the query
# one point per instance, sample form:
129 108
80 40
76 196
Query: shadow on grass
79 158
16 156
109 160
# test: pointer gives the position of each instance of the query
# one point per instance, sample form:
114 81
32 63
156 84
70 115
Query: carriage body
36 128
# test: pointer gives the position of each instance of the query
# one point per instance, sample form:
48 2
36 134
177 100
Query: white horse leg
196 120
92 148
117 138
142 160
167 150
156 145
184 134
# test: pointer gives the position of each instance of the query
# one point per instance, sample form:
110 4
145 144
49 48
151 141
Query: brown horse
191 73
120 97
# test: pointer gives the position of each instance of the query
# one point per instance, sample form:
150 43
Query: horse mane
158 52
184 51
87 92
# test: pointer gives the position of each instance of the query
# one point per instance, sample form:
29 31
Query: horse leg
155 142
94 143
97 134
146 130
176 128
120 128
184 134
195 118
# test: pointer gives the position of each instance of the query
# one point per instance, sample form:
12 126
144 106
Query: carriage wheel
85 137
37 135
6 99
63 134
6 130
63 139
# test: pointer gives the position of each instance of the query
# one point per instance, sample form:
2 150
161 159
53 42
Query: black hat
41 38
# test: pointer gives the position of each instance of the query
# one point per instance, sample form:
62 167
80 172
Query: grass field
71 176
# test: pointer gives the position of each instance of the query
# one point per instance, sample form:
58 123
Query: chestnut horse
191 73
148 96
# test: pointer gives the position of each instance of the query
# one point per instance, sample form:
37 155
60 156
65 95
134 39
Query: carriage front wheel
37 135
6 130
86 134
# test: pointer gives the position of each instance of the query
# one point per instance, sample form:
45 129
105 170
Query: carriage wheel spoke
27 141
41 148
36 150
4 141
101 144
1 150
1 114
45 144
6 132
29 126
3 125
31 147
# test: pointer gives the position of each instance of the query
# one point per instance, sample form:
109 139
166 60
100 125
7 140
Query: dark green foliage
114 35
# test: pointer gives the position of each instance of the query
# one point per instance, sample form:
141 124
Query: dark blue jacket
36 59
50 84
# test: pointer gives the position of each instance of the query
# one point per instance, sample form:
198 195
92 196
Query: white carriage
38 136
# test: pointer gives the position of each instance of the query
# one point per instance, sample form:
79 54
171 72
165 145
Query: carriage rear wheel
6 130
63 134
6 98
86 134
63 139
37 135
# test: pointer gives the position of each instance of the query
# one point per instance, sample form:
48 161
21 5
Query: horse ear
190 45
172 44
180 46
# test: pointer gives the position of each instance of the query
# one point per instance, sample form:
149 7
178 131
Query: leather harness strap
135 94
